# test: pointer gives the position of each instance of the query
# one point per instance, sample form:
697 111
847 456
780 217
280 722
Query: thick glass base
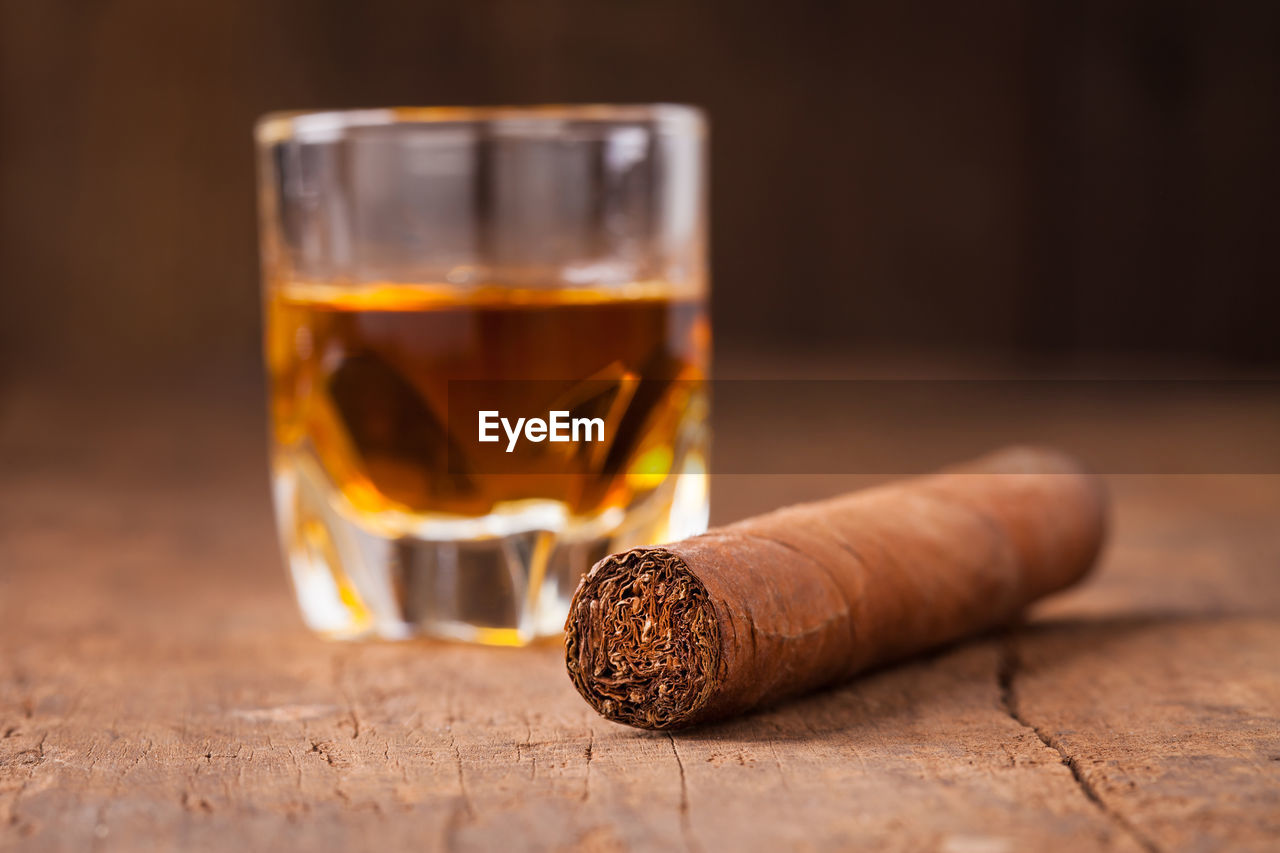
503 579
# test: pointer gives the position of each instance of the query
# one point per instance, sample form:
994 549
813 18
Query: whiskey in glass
553 256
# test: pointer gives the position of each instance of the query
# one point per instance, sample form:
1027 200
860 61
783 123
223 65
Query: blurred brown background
1033 179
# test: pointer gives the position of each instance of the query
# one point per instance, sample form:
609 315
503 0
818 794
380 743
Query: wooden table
157 690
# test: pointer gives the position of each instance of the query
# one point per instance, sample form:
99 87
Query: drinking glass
557 253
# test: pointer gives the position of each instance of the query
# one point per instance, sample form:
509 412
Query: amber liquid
360 382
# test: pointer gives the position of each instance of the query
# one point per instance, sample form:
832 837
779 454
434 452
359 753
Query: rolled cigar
807 596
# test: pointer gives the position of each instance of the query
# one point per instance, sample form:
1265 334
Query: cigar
807 596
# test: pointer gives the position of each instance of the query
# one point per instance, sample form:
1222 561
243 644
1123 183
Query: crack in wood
463 810
521 749
587 753
25 828
1008 666
462 779
777 762
686 827
322 748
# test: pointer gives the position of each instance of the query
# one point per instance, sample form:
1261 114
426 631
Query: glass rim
533 120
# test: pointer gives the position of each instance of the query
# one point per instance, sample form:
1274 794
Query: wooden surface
157 690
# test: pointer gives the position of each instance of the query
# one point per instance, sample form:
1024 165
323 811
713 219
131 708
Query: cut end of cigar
642 642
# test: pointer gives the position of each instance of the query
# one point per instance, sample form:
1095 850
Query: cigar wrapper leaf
807 596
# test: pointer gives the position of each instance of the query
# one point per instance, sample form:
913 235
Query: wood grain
157 690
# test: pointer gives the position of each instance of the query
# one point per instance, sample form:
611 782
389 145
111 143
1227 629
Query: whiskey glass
555 250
